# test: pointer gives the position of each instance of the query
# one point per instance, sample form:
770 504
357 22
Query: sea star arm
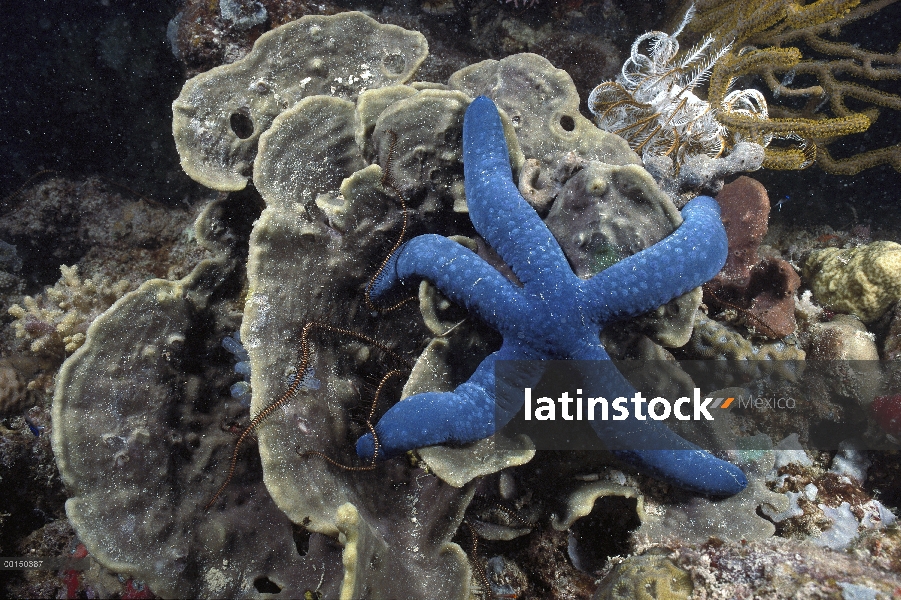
694 470
458 272
467 414
470 413
496 208
687 258
652 448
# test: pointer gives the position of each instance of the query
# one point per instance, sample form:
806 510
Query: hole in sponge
241 123
567 123
603 533
264 585
301 537
394 63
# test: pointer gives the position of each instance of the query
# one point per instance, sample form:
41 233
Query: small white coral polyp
652 104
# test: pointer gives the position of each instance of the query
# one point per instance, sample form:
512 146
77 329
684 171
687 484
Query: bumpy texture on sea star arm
554 315
446 263
672 267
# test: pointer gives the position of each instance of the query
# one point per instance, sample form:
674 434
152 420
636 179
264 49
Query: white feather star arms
653 106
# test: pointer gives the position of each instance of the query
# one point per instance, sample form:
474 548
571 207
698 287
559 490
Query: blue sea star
554 315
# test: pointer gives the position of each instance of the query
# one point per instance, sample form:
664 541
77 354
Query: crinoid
653 106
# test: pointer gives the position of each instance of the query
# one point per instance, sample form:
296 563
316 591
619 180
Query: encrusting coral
782 570
600 214
651 576
335 237
547 120
712 339
328 216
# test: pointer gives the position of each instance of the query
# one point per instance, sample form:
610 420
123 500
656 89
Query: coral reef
830 508
712 339
781 569
105 229
144 423
649 576
328 237
595 31
700 174
13 393
842 338
698 519
864 281
547 121
597 224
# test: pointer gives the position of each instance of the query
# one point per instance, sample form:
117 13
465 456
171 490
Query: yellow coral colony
864 281
760 32
647 577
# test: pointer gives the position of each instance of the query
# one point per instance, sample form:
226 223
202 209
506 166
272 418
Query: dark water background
86 89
